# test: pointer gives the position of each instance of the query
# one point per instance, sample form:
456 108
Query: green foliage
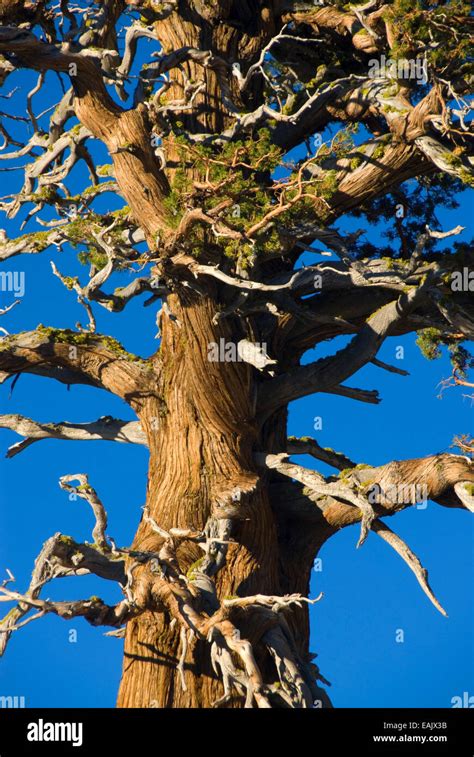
82 338
466 177
96 188
381 146
92 256
421 202
39 240
122 213
67 540
70 281
191 572
174 202
461 359
65 336
106 169
47 194
79 230
239 170
415 22
431 341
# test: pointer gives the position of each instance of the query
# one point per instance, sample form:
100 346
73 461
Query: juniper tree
238 134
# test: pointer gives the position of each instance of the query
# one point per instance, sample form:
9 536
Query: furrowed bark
200 443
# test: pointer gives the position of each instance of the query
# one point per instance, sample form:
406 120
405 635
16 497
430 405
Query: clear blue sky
369 594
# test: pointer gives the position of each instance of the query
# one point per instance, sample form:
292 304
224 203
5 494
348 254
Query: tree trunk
202 433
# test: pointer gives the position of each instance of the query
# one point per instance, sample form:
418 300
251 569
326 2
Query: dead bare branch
105 428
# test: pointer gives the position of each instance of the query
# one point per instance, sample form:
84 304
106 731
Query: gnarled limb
136 168
318 484
329 372
71 357
95 611
410 558
60 557
445 478
87 492
105 428
308 446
